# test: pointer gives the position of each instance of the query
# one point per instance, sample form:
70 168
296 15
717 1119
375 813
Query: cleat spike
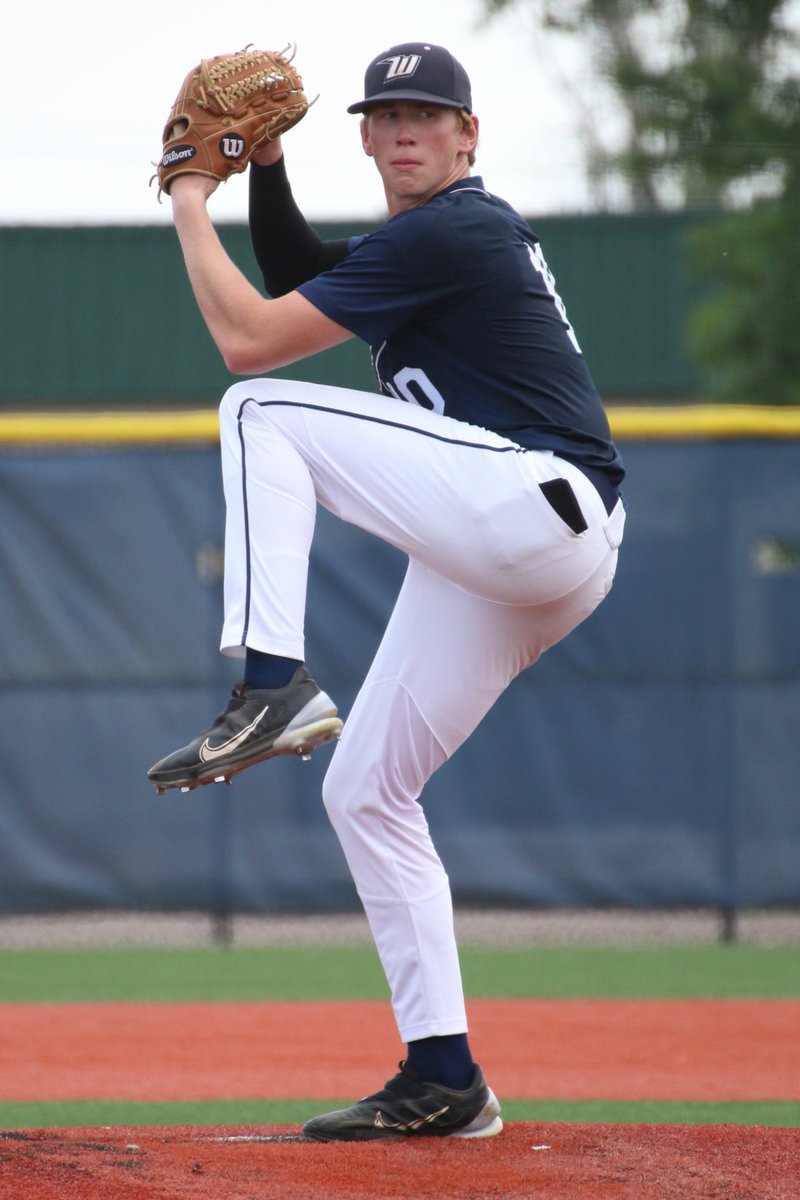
186 789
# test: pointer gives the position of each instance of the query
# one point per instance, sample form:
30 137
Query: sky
88 87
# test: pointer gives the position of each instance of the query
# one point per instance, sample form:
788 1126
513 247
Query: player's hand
267 153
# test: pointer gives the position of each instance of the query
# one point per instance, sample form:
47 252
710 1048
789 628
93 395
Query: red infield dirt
531 1049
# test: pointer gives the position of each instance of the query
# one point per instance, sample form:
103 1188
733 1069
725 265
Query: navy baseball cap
415 71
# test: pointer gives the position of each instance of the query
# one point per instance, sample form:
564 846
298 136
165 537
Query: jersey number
411 383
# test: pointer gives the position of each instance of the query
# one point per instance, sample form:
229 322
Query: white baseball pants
495 577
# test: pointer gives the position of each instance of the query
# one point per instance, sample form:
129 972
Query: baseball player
486 458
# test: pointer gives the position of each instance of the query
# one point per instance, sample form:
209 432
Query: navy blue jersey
462 316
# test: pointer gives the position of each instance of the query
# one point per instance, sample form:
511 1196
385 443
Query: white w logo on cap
401 66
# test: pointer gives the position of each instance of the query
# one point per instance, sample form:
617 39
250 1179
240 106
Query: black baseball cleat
407 1107
257 724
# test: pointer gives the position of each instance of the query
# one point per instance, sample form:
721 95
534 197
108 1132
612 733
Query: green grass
343 973
79 1113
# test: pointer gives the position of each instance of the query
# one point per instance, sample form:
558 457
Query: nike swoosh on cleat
209 753
382 1123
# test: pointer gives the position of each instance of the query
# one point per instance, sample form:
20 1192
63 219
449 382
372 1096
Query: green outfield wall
103 316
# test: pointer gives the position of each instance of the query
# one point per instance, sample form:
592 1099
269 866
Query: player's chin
409 184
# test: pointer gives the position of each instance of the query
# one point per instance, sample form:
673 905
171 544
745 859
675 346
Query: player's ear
470 128
366 141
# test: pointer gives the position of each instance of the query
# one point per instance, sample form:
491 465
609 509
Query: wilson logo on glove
231 147
177 154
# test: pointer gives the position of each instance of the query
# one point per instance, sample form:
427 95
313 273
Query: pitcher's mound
565 1162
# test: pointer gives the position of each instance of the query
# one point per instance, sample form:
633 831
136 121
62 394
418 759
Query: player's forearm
234 312
252 334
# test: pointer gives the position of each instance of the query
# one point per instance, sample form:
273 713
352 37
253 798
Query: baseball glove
226 107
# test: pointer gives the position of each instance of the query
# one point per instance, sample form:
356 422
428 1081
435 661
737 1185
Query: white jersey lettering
538 260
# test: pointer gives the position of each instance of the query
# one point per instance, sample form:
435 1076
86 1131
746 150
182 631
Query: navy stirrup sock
444 1060
268 670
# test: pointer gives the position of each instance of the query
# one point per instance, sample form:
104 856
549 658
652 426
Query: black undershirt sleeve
287 249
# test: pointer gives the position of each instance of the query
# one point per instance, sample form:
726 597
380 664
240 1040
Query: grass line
353 972
93 1113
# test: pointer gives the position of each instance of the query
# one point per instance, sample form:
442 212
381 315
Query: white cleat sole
488 1122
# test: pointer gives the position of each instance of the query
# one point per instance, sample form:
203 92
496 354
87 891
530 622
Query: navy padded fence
652 759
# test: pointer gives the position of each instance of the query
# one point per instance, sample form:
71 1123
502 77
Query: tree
744 335
710 92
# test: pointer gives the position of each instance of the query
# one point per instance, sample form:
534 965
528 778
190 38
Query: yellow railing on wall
109 428
690 422
705 421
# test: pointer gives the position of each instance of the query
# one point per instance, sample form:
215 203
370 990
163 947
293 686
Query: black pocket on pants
559 495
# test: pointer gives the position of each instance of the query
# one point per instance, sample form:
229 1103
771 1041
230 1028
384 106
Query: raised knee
230 406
